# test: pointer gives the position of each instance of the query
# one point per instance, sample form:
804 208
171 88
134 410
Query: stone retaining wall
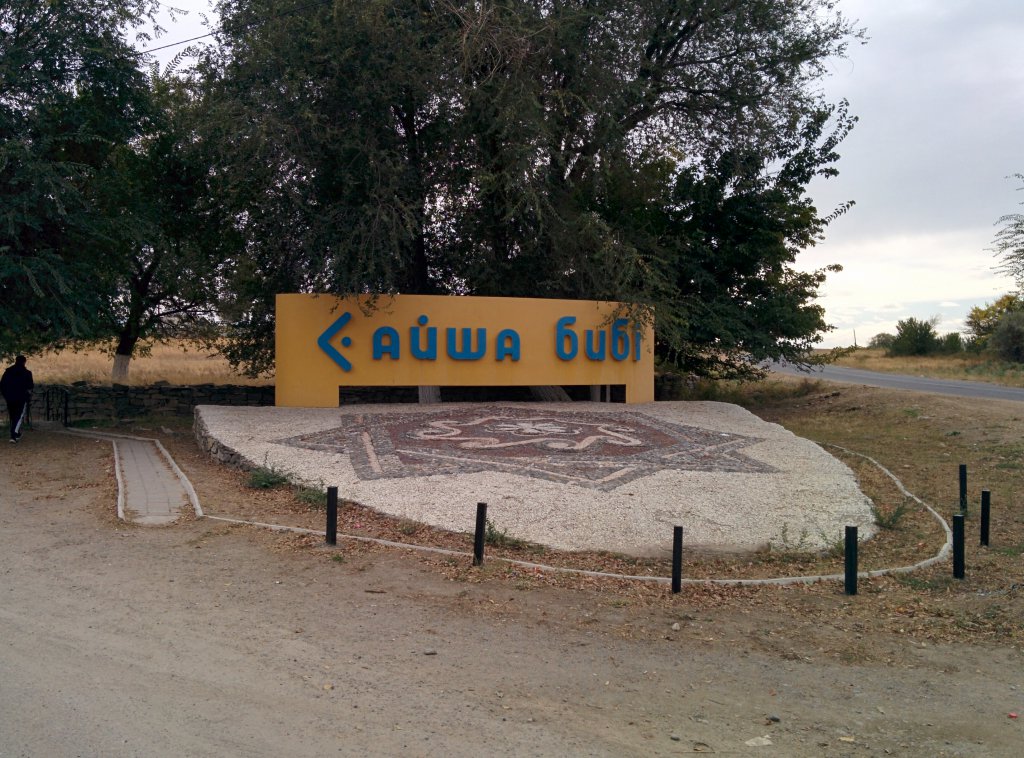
89 402
215 448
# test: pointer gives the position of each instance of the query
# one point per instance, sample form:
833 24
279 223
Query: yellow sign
324 342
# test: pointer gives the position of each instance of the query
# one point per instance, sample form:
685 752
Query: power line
174 44
246 26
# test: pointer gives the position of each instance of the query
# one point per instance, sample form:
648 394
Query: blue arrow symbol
324 341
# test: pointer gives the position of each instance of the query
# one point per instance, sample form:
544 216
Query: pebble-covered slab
568 475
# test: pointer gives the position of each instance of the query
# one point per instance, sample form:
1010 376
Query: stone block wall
89 402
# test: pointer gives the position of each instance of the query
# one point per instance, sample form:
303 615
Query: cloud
889 278
939 91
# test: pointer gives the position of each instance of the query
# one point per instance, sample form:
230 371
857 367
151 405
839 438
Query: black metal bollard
986 507
963 487
958 546
478 539
850 560
677 559
332 516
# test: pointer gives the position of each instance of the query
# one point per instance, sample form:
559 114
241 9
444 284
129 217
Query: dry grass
176 362
921 438
965 367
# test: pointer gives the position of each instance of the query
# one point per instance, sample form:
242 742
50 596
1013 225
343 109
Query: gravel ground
793 493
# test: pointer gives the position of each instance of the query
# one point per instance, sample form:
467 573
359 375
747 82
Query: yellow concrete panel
324 342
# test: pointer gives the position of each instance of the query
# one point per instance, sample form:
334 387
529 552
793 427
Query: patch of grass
265 478
833 548
338 558
912 412
963 366
408 527
311 496
922 583
752 394
176 362
1013 551
889 518
788 544
499 538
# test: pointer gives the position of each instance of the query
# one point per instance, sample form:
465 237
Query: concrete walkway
151 489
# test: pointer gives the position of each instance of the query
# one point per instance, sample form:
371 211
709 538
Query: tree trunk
123 356
429 393
120 373
550 393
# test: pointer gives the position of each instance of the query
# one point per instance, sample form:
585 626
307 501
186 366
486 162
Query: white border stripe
778 581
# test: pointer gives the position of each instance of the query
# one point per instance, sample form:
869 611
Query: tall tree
70 92
649 151
162 246
1010 244
982 321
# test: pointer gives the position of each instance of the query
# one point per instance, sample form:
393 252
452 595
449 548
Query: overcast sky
939 91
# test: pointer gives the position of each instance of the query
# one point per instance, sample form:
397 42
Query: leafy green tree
915 337
982 321
69 93
1009 243
1008 338
951 344
647 151
160 238
883 340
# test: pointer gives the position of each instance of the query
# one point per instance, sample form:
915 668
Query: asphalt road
903 382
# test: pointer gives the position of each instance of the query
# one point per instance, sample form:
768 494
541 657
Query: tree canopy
162 236
650 151
653 152
982 320
70 91
1010 243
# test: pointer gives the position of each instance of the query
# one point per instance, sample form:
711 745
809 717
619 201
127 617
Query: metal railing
55 404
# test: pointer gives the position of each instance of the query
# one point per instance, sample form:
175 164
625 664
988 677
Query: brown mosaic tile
593 450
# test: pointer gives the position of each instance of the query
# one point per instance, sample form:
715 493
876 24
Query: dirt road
205 639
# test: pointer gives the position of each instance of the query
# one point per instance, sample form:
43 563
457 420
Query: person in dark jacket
16 387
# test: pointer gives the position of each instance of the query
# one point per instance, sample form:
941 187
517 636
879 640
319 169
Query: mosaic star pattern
591 450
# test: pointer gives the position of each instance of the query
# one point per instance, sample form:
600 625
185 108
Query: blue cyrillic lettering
507 343
563 333
620 339
467 353
430 353
391 347
596 352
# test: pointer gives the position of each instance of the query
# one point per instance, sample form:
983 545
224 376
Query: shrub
1008 338
312 496
266 478
951 344
982 321
883 340
915 337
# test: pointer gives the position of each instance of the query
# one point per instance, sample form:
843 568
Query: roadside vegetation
990 350
965 366
174 362
920 438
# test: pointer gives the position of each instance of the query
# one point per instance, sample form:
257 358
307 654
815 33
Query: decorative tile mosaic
591 450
